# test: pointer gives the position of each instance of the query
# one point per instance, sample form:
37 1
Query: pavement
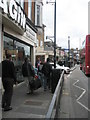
28 105
73 68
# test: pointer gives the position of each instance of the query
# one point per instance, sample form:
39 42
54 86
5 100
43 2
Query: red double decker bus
85 56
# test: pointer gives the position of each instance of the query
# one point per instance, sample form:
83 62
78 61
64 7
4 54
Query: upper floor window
38 14
29 9
41 43
37 43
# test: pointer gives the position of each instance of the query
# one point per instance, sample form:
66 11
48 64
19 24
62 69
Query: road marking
84 91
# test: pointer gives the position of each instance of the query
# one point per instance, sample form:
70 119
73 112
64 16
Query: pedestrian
28 73
38 61
40 75
8 79
46 70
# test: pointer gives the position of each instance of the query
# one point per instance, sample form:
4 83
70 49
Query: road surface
76 96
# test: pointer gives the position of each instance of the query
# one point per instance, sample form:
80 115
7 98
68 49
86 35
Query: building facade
17 32
40 27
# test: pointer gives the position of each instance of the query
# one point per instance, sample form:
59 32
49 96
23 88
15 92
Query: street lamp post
69 50
54 32
55 35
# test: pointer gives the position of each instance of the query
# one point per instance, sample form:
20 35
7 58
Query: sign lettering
14 11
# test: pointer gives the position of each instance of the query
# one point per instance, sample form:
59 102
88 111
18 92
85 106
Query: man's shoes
7 108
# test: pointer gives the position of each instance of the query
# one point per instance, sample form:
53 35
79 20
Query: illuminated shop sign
11 8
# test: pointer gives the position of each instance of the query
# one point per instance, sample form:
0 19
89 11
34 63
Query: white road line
83 106
84 91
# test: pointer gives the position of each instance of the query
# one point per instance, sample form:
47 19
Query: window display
18 51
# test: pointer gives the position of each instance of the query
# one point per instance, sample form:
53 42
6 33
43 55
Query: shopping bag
32 84
37 83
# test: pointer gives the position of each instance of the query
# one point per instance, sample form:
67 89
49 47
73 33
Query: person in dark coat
8 79
28 73
38 62
46 70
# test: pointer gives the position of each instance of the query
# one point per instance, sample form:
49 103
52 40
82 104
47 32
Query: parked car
66 69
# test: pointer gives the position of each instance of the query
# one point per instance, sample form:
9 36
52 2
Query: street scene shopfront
18 36
18 50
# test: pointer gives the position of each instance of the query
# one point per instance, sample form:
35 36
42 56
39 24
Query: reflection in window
18 51
8 46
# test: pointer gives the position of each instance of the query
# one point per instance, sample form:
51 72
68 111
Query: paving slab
29 106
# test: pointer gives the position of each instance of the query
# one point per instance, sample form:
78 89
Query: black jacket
27 69
46 69
8 70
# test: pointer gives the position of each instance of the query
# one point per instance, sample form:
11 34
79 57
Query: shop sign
14 11
30 34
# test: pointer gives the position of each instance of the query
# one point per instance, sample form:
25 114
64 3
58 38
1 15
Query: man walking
46 70
8 79
28 73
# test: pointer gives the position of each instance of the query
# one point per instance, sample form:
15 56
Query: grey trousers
27 80
8 92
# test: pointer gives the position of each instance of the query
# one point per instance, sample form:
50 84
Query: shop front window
22 50
8 46
18 52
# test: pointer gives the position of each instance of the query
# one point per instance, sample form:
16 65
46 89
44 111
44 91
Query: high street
74 100
75 96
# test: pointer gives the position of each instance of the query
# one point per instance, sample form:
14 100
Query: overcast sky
71 20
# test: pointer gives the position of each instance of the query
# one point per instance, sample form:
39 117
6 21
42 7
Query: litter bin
55 78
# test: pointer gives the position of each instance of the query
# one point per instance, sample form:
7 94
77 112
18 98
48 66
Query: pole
69 50
55 35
